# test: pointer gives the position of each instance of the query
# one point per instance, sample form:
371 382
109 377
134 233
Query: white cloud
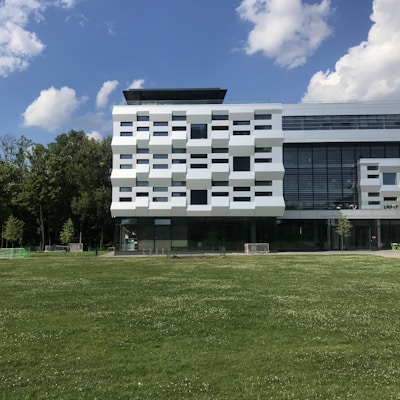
95 135
18 45
369 71
137 84
102 96
286 30
53 108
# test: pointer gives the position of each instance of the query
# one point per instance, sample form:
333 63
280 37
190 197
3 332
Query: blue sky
64 63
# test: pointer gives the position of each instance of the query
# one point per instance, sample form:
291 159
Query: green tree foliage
67 232
45 185
13 230
343 229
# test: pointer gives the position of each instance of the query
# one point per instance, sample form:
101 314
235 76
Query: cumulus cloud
53 108
95 135
369 71
18 45
137 84
105 91
288 31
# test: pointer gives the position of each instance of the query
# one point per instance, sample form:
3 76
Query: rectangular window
262 116
160 189
373 176
390 198
178 194
142 194
220 150
143 128
372 168
142 118
126 123
220 160
142 183
220 117
125 156
263 127
178 150
178 117
178 183
241 163
198 166
263 160
179 128
198 131
266 194
263 150
160 166
241 122
160 156
160 123
241 189
389 178
241 133
125 189
373 194
198 197
263 183
198 156
241 199
374 203
125 166
220 183
160 199
126 134
220 128
178 161
142 150
162 221
125 199
142 162
160 133
220 194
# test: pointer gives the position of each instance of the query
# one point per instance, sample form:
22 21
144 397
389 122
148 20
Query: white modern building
191 172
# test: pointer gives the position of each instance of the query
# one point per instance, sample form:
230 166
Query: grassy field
242 327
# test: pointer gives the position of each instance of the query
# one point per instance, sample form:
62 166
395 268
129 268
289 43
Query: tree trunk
41 223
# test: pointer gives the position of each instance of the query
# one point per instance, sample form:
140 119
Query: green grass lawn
241 327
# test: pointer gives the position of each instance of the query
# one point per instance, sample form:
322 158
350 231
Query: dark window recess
263 127
373 194
241 133
160 133
160 189
241 163
142 150
263 149
126 166
220 128
266 194
126 123
220 117
198 131
142 183
241 188
142 194
372 168
177 117
220 194
160 123
178 194
220 160
125 156
389 178
390 198
160 199
142 118
178 150
198 156
373 176
263 160
198 197
143 128
262 116
220 183
126 134
263 183
198 166
374 203
160 156
142 161
160 166
241 199
179 128
125 199
220 150
125 189
178 161
178 183
241 122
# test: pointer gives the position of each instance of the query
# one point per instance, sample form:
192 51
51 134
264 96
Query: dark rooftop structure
175 96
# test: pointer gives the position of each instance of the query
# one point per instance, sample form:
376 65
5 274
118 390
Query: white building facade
192 173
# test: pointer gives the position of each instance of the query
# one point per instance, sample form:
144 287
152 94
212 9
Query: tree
13 230
67 233
343 229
